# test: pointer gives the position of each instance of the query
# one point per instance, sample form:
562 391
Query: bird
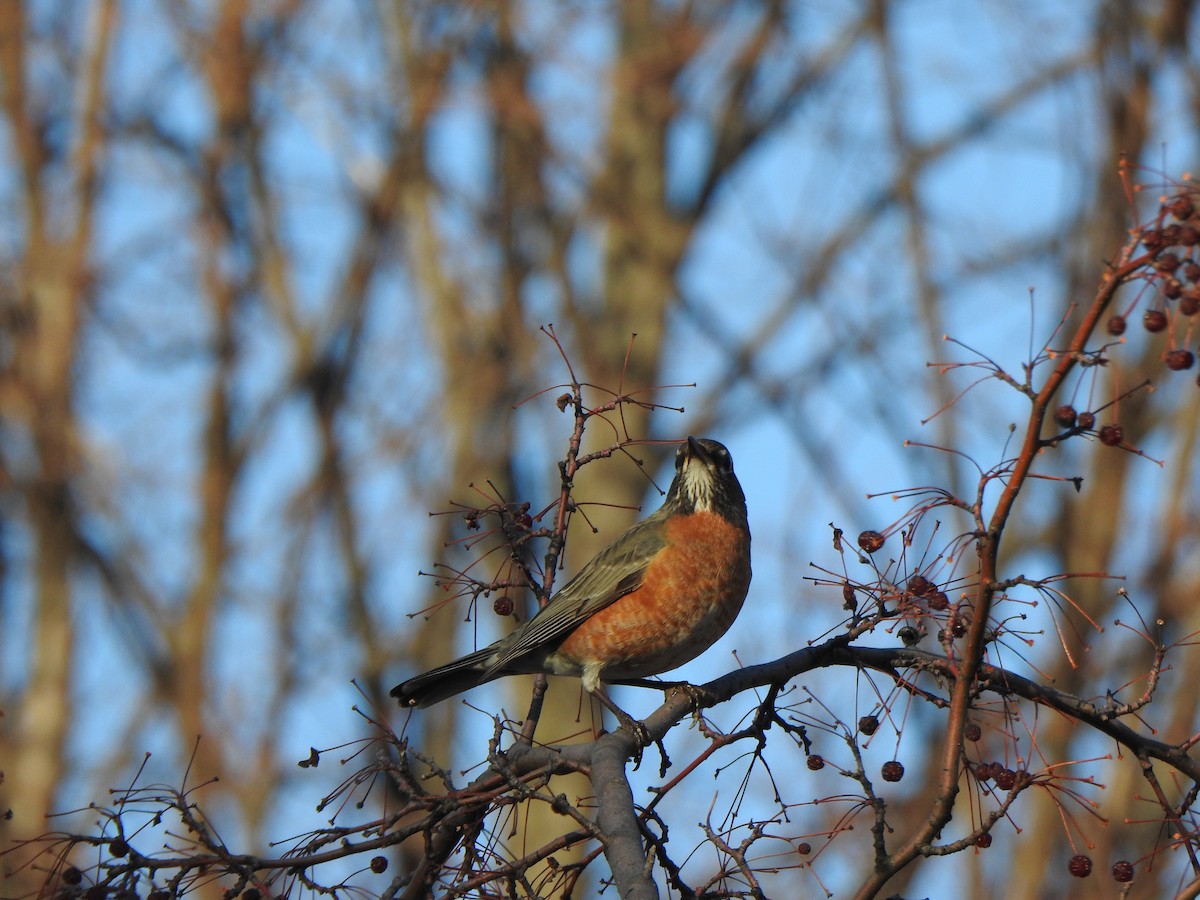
655 598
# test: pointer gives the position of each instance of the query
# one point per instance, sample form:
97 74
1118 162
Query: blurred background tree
272 279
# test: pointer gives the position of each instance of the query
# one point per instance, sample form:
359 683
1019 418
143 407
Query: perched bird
656 597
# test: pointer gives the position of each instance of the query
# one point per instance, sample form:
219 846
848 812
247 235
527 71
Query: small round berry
868 725
1168 262
1064 416
937 601
892 770
1122 871
1180 360
1181 207
870 541
1111 435
909 636
1154 320
1079 865
972 732
815 762
1172 289
1152 239
523 520
379 864
984 841
503 606
72 875
1189 303
1116 325
804 848
919 585
1191 271
958 629
1188 236
118 848
1086 421
1171 234
1005 779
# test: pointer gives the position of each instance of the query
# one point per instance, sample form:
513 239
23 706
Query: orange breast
691 594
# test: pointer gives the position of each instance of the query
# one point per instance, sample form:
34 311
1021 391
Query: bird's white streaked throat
696 480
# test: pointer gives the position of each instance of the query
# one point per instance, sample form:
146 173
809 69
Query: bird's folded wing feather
615 571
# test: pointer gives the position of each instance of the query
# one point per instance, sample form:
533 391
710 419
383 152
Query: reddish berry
870 541
1122 871
868 725
1181 207
1086 421
1152 239
983 841
379 864
1154 320
1191 270
1080 866
1064 416
1189 303
523 520
1112 435
816 762
1189 236
1172 289
972 732
1180 360
502 606
959 629
937 601
804 848
919 585
1168 262
1116 325
892 770
1171 234
1005 779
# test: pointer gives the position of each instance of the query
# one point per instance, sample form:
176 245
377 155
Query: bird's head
704 480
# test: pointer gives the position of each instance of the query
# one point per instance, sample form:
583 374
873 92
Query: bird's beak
696 451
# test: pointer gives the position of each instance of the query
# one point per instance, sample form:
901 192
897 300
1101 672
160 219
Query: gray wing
612 573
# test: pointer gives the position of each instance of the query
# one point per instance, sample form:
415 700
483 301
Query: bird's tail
445 681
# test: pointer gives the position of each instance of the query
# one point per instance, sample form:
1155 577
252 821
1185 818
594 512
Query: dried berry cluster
1175 274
